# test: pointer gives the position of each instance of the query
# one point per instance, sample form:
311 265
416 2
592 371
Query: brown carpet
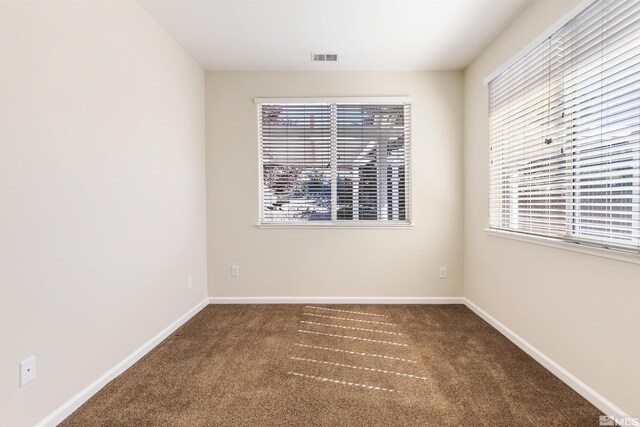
336 365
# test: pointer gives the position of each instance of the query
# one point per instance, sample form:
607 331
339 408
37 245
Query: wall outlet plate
189 282
235 270
27 370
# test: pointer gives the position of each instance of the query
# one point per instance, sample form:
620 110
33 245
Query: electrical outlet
235 270
27 370
189 282
443 272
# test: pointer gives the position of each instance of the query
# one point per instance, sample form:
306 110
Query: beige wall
581 310
335 262
102 189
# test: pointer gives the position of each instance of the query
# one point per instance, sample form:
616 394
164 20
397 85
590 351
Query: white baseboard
571 380
336 300
76 401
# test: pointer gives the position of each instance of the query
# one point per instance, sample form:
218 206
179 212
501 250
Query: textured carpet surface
336 365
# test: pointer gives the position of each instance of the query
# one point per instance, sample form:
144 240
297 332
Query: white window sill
332 225
575 247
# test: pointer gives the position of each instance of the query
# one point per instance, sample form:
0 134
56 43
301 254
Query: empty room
319 213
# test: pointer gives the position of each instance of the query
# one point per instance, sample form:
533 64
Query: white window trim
567 245
546 34
337 100
322 224
335 224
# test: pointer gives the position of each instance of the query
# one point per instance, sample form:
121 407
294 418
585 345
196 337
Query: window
565 133
334 161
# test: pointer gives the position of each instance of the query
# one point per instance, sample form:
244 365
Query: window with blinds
565 133
334 163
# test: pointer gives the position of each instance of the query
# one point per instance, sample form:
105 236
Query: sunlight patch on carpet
353 328
349 337
364 368
346 311
352 384
359 353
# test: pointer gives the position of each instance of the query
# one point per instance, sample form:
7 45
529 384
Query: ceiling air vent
324 57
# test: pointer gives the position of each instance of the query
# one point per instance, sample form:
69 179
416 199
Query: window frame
355 224
569 242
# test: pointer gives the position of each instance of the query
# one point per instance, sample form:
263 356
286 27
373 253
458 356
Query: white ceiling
366 34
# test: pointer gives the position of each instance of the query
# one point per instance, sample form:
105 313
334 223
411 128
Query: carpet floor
336 365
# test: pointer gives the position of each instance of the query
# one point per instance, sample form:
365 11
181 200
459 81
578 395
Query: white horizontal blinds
295 149
334 162
372 162
602 122
565 129
527 171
